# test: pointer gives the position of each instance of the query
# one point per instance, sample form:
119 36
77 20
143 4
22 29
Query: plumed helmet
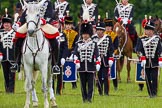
6 18
150 25
86 28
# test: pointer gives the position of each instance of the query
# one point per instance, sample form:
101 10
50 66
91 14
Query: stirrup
15 68
55 69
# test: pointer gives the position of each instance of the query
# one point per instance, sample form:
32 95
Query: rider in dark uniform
92 9
124 12
46 17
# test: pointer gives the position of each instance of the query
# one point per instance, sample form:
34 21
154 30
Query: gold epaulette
143 36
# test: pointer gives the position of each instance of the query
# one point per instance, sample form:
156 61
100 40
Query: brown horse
158 25
125 49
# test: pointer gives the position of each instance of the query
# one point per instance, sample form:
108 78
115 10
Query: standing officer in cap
7 53
72 38
150 51
87 59
106 50
46 17
124 12
109 23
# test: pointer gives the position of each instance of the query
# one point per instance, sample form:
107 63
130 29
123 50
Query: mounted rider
49 31
124 12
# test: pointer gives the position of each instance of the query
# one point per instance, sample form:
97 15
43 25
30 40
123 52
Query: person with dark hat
150 52
62 40
7 53
87 59
109 23
106 50
46 17
72 38
124 12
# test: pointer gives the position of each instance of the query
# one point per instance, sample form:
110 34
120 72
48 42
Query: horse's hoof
46 105
27 106
53 103
35 104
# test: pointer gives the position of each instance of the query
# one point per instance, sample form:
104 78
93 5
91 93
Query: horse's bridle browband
36 24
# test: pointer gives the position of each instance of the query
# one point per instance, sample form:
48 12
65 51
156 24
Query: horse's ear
41 3
25 3
156 16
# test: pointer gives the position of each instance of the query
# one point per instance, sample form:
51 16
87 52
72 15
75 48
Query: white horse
35 57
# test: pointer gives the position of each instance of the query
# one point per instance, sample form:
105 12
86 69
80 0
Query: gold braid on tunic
70 35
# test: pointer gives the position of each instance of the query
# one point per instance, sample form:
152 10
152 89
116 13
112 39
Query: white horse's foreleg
44 86
34 98
28 90
52 97
34 94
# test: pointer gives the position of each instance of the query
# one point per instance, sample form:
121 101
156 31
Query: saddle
48 30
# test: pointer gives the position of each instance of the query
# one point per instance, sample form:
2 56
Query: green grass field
127 96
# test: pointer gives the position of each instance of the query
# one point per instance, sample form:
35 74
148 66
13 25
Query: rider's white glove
15 26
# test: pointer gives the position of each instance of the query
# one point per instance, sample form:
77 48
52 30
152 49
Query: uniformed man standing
109 23
150 51
62 40
106 50
85 53
72 37
7 50
124 12
92 9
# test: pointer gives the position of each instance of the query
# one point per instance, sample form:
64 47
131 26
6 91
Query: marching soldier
109 23
85 53
72 38
46 17
106 49
92 9
150 51
124 12
7 51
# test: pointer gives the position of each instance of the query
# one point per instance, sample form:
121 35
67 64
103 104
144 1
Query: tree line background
148 7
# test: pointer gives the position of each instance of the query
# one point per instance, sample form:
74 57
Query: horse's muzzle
30 32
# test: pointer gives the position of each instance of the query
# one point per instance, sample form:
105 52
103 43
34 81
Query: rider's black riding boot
16 66
55 56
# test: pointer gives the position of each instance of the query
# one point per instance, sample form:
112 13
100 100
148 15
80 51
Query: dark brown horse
125 49
158 25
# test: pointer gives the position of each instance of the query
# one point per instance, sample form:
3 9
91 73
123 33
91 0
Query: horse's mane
33 8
